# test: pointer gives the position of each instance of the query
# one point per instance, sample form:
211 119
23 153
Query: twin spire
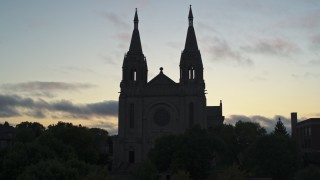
135 45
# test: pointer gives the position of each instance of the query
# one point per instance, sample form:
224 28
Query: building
307 135
150 109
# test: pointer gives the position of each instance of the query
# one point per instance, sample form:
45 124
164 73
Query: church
150 109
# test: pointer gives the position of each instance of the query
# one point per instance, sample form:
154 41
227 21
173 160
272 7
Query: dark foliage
193 151
279 129
63 151
28 131
309 173
273 155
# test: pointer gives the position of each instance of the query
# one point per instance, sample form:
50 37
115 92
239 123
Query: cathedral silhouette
150 109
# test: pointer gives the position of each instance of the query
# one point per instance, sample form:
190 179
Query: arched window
191 114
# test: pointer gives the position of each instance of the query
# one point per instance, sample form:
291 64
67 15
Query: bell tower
134 80
191 68
191 79
134 68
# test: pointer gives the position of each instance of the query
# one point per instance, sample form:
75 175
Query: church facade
150 109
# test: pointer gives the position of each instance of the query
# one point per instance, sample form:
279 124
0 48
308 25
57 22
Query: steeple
135 45
134 68
191 68
191 41
136 19
190 17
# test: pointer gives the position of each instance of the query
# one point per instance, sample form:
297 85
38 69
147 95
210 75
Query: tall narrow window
191 114
133 75
191 73
131 156
194 73
131 116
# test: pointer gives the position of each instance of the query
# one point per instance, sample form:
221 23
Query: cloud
10 103
115 20
306 75
175 45
205 26
16 106
105 108
310 21
67 69
84 111
276 46
315 41
266 122
314 62
39 114
112 128
38 85
44 89
108 60
258 79
219 50
124 37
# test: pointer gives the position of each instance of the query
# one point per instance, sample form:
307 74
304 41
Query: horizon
61 61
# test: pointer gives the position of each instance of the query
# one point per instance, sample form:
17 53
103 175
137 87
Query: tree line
225 152
60 151
228 152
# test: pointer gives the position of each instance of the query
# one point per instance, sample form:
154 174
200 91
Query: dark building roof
161 79
309 121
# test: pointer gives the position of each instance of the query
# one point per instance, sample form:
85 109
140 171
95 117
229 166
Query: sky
61 60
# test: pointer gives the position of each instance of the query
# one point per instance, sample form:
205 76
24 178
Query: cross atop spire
191 41
190 17
135 45
136 19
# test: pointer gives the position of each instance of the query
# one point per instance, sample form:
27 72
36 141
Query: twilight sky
61 60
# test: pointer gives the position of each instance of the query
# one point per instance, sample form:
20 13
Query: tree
163 152
28 131
86 143
280 129
192 151
247 133
272 155
228 155
22 155
232 173
181 175
73 169
309 173
146 171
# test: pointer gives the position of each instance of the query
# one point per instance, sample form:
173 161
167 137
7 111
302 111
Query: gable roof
161 79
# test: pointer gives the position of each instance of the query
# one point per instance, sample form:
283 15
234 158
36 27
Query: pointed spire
191 41
190 17
136 19
135 45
